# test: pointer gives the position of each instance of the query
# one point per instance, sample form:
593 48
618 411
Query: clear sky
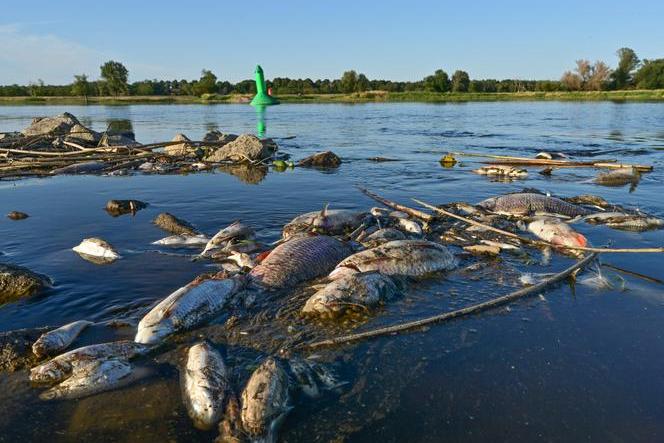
404 40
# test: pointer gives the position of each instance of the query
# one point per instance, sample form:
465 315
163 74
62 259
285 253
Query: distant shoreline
652 95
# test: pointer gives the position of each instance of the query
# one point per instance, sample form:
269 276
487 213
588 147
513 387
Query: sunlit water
575 364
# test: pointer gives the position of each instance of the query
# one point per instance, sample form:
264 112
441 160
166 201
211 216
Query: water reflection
120 126
261 127
246 173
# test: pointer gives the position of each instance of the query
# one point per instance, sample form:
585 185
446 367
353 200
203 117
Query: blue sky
52 40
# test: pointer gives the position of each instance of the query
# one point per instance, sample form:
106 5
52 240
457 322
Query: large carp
527 203
327 221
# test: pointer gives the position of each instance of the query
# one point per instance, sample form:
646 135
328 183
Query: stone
17 215
112 140
219 137
120 207
180 149
57 125
82 135
17 282
16 348
246 147
327 159
170 223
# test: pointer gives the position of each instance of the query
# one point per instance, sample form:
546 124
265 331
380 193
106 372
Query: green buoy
262 98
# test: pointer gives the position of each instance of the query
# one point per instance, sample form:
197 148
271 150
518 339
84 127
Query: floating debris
96 250
17 215
502 171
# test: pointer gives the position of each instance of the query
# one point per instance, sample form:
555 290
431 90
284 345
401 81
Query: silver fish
187 307
363 289
298 260
501 171
61 367
618 177
411 258
409 226
382 236
206 385
58 339
265 401
526 203
628 222
235 231
183 240
554 231
96 248
91 378
327 221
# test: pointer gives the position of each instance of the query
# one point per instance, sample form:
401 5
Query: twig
525 161
469 310
390 204
537 242
634 274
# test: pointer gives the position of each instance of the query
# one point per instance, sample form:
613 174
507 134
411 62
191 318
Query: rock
5 136
17 215
327 159
112 140
246 147
120 207
57 125
174 225
17 282
16 348
219 137
81 168
82 135
182 148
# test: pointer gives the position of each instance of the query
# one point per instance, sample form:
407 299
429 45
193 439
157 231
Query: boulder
170 223
17 282
120 207
82 135
246 147
57 125
16 348
219 137
111 140
327 159
182 148
7 136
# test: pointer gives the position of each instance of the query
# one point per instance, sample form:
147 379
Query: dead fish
411 258
241 259
379 212
81 168
59 339
96 248
187 307
618 177
235 231
409 226
364 289
61 367
298 260
182 240
383 236
327 221
398 214
310 376
527 203
501 171
551 155
556 232
91 378
265 401
627 222
588 199
206 385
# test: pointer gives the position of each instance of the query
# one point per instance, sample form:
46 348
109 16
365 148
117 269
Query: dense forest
630 73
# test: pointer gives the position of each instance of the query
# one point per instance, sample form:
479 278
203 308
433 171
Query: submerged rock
16 348
327 159
57 125
113 140
17 215
246 147
17 282
219 137
181 149
120 207
80 134
174 225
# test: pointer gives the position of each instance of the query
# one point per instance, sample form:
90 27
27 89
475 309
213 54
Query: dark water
575 364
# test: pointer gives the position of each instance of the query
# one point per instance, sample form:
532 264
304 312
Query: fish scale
298 260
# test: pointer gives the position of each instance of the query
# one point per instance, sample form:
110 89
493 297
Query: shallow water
576 364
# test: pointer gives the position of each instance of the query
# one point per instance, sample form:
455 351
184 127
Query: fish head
154 333
489 203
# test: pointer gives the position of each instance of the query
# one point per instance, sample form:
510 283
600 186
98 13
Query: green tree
348 81
651 74
623 76
362 83
81 87
36 88
207 84
460 81
438 82
116 77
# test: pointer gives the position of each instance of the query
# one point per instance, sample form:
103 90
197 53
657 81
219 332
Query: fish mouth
151 335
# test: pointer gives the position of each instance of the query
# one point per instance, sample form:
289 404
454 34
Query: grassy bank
656 95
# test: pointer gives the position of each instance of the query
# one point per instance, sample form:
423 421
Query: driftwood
525 161
469 310
390 204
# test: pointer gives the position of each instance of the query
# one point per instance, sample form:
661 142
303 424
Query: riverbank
655 95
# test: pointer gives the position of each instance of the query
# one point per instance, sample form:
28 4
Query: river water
576 363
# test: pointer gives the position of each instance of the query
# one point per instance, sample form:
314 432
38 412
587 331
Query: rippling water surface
575 364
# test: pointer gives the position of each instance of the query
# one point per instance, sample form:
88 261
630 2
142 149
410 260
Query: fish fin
323 212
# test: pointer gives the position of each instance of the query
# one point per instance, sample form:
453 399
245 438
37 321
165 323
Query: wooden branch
469 310
390 204
525 161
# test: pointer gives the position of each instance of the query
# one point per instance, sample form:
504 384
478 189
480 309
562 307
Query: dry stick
535 242
473 309
390 204
634 274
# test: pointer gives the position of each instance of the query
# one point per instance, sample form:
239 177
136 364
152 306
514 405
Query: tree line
630 73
